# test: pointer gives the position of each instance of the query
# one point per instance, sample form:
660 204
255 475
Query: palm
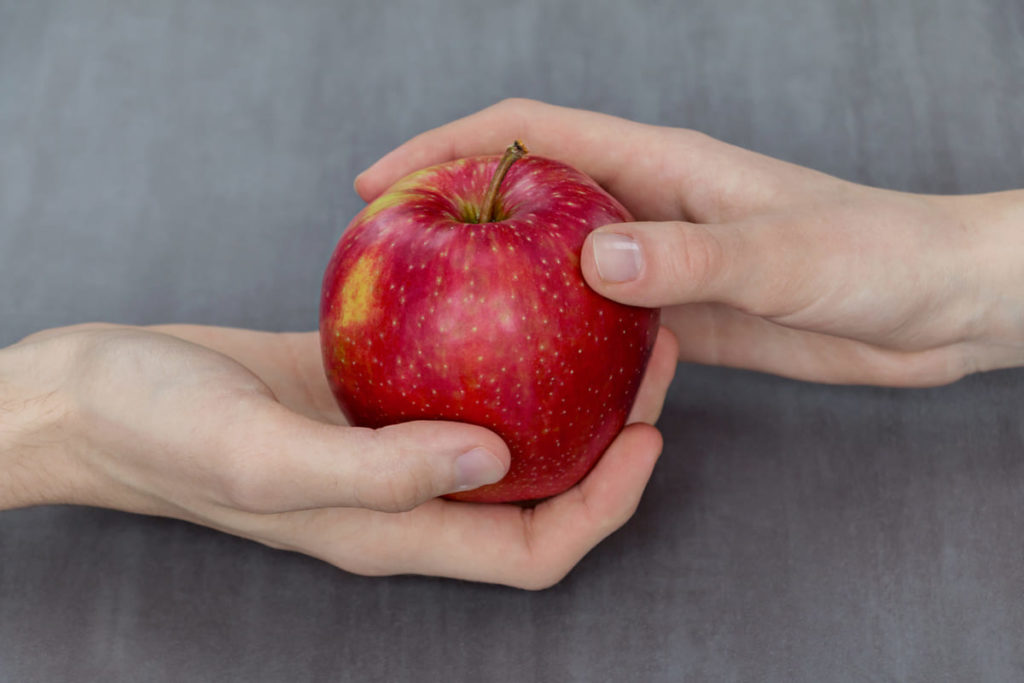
530 547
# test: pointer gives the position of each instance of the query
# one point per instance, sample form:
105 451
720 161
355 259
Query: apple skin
427 316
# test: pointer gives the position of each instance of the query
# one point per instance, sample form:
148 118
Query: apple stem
514 152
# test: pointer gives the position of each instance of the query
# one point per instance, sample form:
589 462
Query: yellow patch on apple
358 294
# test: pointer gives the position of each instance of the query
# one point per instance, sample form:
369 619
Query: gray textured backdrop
192 161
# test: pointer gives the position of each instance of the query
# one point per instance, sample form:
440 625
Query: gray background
192 161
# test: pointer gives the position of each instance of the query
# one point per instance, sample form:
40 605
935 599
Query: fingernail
618 257
477 467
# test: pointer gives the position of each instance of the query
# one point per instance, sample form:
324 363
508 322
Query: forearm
32 455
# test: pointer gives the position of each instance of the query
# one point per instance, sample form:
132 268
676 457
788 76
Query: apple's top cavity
490 211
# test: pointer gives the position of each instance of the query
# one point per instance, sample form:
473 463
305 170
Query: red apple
457 295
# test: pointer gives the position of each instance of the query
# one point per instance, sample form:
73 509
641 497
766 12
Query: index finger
658 173
598 144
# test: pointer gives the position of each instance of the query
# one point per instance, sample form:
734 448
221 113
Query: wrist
996 222
32 452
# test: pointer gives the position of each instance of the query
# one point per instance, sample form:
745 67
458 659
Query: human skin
758 264
237 430
766 265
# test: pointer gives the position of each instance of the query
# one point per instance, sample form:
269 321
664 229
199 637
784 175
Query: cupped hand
237 430
766 265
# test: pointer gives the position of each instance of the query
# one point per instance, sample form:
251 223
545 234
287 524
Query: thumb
304 464
412 462
674 262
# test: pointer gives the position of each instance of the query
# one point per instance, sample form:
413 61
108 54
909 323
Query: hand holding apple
457 295
767 265
237 430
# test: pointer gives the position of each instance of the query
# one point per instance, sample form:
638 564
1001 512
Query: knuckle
696 259
692 137
516 103
365 568
395 476
390 490
539 567
961 360
69 330
543 578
